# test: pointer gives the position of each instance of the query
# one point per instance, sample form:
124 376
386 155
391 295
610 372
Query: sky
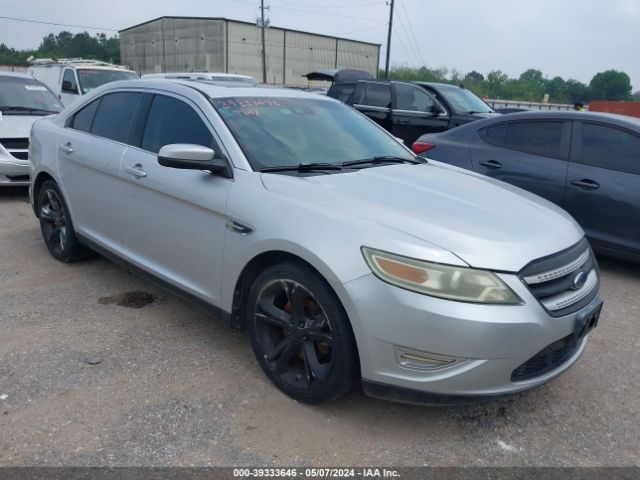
567 38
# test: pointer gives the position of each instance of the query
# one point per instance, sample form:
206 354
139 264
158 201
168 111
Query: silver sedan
347 259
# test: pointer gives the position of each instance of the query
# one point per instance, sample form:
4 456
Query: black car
587 163
410 109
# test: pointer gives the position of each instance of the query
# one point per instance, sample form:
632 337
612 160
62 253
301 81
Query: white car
23 100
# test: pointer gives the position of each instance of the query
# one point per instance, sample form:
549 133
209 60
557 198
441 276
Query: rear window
378 95
495 135
342 91
115 114
538 138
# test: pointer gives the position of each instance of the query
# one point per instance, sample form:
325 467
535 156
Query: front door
415 113
603 185
175 219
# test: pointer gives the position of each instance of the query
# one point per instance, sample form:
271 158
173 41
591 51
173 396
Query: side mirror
67 87
190 157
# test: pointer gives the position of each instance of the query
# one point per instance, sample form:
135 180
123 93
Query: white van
70 78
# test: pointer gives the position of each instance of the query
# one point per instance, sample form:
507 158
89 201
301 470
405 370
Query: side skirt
218 312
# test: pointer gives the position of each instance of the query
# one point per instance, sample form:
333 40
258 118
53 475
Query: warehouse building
191 44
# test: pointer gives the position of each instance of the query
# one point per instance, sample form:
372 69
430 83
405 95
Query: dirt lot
174 387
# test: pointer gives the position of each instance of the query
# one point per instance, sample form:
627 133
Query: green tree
636 96
610 85
577 92
557 90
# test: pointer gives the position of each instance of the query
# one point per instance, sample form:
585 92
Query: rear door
415 113
90 150
528 154
175 219
374 100
603 184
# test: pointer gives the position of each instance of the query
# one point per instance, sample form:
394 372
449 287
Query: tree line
531 85
66 45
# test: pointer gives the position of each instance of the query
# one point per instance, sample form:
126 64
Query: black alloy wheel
55 223
300 334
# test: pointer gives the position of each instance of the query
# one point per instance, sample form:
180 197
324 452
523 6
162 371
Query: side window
609 147
115 114
538 138
83 119
378 95
70 77
495 135
412 98
342 91
173 121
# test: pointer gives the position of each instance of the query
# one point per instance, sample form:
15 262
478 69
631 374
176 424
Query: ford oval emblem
579 280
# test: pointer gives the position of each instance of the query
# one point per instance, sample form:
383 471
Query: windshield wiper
302 167
16 108
385 159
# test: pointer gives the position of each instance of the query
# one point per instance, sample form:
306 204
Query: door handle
136 170
493 164
66 148
586 184
402 122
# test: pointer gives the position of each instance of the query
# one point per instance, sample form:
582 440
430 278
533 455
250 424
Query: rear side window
538 138
172 121
84 118
495 135
70 77
609 147
115 114
377 95
342 91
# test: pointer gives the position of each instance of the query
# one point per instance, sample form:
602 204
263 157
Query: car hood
16 126
488 224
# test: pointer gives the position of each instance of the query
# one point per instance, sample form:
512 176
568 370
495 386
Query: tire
56 225
300 333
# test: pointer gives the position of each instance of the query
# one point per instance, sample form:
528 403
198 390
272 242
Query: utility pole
386 67
264 49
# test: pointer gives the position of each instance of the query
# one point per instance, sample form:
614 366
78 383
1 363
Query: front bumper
491 340
13 172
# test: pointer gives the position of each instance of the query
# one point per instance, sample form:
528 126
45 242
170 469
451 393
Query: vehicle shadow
619 267
14 193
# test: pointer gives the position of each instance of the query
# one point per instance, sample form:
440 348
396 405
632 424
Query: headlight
439 280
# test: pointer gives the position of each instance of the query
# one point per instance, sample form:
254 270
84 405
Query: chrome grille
565 282
17 147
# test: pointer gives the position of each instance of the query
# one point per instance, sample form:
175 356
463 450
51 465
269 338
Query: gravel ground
172 386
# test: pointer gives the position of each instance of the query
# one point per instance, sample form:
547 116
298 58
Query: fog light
416 360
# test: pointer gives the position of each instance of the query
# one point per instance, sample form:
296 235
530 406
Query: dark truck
411 109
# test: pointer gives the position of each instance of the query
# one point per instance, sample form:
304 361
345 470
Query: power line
313 11
416 45
338 6
57 24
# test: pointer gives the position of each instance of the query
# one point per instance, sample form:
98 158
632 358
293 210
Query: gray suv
346 258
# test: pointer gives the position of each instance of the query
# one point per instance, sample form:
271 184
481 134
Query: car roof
209 89
621 120
16 75
436 84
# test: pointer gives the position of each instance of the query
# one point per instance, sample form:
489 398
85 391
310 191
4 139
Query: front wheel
300 333
55 223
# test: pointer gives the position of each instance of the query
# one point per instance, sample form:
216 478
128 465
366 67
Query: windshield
276 132
93 78
463 101
245 80
18 95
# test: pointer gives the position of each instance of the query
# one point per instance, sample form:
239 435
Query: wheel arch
37 184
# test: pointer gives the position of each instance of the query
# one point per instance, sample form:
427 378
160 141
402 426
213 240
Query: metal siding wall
360 56
307 52
200 44
245 50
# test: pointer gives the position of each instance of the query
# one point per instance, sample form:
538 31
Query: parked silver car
346 258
